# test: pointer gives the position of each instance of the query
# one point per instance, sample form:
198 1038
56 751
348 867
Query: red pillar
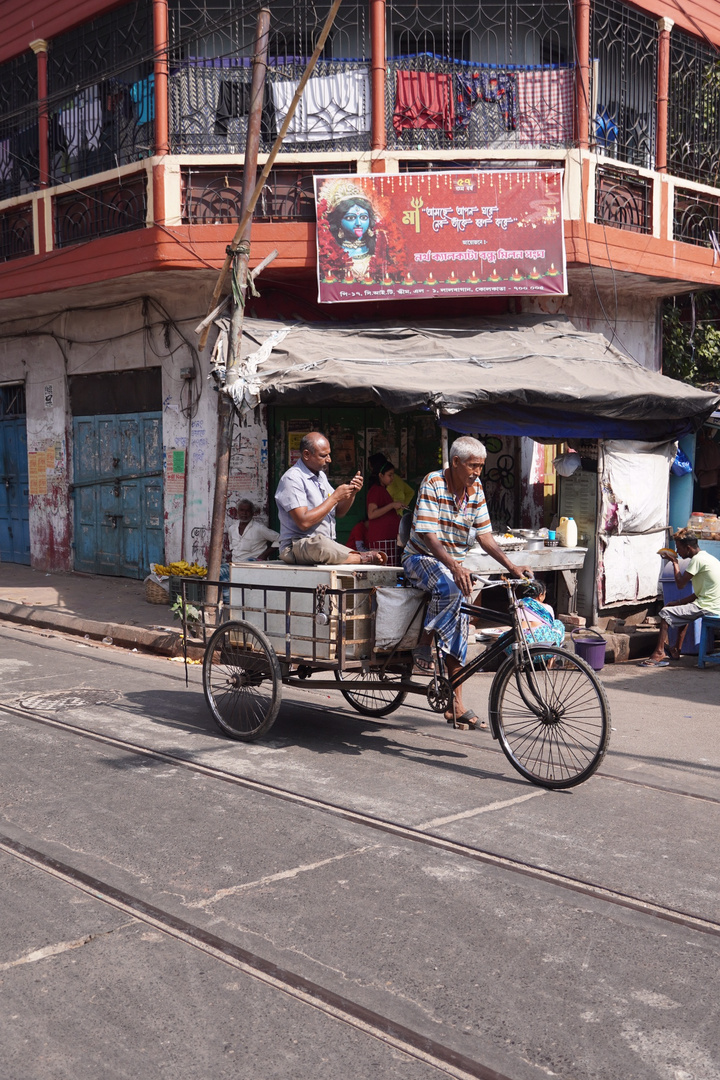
160 41
582 75
377 76
663 88
40 47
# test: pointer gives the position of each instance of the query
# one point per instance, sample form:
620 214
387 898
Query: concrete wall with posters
137 333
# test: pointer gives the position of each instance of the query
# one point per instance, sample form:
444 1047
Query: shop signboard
409 236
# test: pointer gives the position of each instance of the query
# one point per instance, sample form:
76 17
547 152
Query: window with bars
12 401
19 154
694 110
623 48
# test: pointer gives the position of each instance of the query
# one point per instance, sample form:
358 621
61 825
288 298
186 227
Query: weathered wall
132 335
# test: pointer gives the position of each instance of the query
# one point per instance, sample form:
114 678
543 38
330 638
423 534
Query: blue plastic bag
682 465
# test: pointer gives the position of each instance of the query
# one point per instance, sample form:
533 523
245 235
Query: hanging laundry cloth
81 120
332 106
496 87
423 101
5 161
545 106
143 94
24 152
234 100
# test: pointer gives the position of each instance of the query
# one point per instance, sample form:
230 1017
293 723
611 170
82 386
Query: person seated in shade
703 571
382 508
308 505
398 489
250 539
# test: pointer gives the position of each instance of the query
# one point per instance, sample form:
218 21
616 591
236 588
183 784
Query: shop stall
529 376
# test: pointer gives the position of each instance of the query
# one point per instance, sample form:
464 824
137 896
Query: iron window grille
16 233
623 44
12 401
19 155
622 200
101 93
694 110
696 218
115 207
461 75
213 196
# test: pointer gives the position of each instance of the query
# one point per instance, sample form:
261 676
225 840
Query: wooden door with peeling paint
14 487
118 494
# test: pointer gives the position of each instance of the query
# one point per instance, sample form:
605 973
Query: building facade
122 131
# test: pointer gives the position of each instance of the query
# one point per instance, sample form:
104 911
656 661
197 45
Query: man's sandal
423 658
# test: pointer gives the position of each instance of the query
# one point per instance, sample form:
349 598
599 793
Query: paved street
347 897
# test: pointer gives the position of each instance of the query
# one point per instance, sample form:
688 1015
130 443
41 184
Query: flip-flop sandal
423 658
654 663
468 721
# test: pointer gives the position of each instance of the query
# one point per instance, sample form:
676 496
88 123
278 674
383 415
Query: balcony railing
622 200
116 207
694 110
16 233
212 196
696 218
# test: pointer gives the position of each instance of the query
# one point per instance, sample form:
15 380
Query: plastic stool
710 627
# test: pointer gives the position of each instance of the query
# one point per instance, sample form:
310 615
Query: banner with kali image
414 235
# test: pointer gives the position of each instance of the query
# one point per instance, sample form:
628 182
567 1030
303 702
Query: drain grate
55 700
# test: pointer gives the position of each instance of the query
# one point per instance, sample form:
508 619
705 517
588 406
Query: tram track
409 833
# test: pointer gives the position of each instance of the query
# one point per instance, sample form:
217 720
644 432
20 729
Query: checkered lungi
443 614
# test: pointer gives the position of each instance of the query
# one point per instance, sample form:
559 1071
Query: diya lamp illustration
474 279
534 275
387 280
349 276
453 279
516 275
552 272
368 278
330 276
494 276
431 279
408 279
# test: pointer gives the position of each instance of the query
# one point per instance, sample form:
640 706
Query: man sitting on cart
450 504
308 506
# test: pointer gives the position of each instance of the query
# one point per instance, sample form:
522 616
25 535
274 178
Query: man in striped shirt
450 504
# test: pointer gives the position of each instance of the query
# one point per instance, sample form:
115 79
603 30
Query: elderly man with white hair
450 504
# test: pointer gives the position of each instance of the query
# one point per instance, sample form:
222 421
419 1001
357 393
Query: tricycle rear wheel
380 699
242 680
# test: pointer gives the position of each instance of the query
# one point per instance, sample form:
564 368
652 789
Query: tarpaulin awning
529 375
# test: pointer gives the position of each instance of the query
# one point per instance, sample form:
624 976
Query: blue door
118 494
14 492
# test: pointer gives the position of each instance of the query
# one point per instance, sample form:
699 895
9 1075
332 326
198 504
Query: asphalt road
347 897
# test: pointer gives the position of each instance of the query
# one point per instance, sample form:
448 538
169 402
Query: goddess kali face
356 221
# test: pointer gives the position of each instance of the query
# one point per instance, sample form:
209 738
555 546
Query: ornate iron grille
622 200
111 208
18 126
212 196
100 87
462 75
16 233
694 110
696 218
211 71
623 45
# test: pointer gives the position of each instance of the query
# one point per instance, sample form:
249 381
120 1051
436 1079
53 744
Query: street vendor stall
532 376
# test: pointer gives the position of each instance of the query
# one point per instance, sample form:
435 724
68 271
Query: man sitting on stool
308 505
703 571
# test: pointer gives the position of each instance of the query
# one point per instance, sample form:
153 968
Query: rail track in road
409 833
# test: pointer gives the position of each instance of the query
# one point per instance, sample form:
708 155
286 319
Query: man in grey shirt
308 505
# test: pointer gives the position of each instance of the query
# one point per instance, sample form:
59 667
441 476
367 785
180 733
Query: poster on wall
414 235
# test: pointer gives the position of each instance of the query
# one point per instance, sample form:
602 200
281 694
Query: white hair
465 447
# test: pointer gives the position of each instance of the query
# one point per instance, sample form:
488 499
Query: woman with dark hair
352 223
383 521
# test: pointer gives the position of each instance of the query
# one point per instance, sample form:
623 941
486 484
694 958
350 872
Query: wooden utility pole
225 407
240 246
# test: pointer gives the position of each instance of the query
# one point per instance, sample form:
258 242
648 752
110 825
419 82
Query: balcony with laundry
128 123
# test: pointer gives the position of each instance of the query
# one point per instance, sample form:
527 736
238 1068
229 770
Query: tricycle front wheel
242 680
379 699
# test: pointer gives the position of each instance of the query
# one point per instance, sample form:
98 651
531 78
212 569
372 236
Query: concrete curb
165 642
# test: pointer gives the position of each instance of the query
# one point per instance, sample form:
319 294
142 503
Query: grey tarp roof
532 375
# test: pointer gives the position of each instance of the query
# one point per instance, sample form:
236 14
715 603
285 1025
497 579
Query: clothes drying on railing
143 94
332 106
234 101
424 101
488 86
82 121
545 106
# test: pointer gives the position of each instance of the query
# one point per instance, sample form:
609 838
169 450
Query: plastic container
590 647
567 532
696 523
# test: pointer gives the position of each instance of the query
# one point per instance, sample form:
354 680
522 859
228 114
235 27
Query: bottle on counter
567 532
